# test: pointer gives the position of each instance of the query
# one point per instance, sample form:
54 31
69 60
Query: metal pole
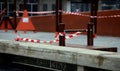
95 19
5 7
57 21
60 11
61 26
92 11
61 34
94 8
25 4
90 34
92 26
15 22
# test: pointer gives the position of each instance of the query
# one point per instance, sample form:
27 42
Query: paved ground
106 41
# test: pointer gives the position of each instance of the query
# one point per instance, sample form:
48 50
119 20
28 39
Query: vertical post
25 4
61 34
15 22
5 7
61 26
92 26
57 21
60 11
94 8
95 14
90 34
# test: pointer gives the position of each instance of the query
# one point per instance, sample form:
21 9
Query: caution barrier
42 12
80 14
44 41
34 41
72 13
69 36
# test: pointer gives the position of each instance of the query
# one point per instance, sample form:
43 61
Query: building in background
68 5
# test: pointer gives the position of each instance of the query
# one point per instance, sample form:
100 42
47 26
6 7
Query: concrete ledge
81 57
